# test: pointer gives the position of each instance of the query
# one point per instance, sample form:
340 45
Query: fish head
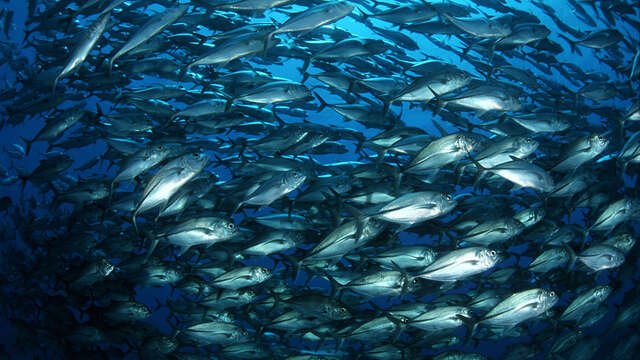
447 203
515 226
105 267
512 103
343 185
249 295
298 238
527 145
260 273
625 242
373 226
298 91
466 143
100 191
402 319
411 283
195 162
547 298
339 7
489 258
339 313
241 333
225 229
465 313
501 27
540 31
459 77
293 179
602 292
531 216
171 275
141 310
615 258
598 142
162 151
428 255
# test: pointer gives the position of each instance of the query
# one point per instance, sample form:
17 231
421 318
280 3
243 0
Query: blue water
412 116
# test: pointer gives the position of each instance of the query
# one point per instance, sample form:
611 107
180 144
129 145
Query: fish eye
231 226
553 294
448 197
493 253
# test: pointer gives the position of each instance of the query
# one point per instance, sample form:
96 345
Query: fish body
152 27
460 264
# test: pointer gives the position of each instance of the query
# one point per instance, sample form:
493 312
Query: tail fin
28 143
111 61
154 244
55 84
267 41
481 170
305 66
572 256
323 104
572 43
386 104
336 288
294 264
184 71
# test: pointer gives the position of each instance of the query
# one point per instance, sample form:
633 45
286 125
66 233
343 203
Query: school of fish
320 179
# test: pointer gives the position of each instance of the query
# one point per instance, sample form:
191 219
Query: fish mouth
466 319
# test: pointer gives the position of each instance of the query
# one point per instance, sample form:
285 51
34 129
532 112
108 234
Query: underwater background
319 179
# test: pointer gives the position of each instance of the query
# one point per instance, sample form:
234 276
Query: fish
84 47
585 303
152 27
460 264
312 18
519 307
167 181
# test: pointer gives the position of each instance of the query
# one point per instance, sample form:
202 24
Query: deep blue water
411 115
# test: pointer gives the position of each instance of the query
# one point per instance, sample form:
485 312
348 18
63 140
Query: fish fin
469 322
133 220
55 84
305 67
386 104
182 249
572 43
27 144
441 103
361 220
295 265
481 170
323 104
154 244
480 113
336 288
442 131
268 41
